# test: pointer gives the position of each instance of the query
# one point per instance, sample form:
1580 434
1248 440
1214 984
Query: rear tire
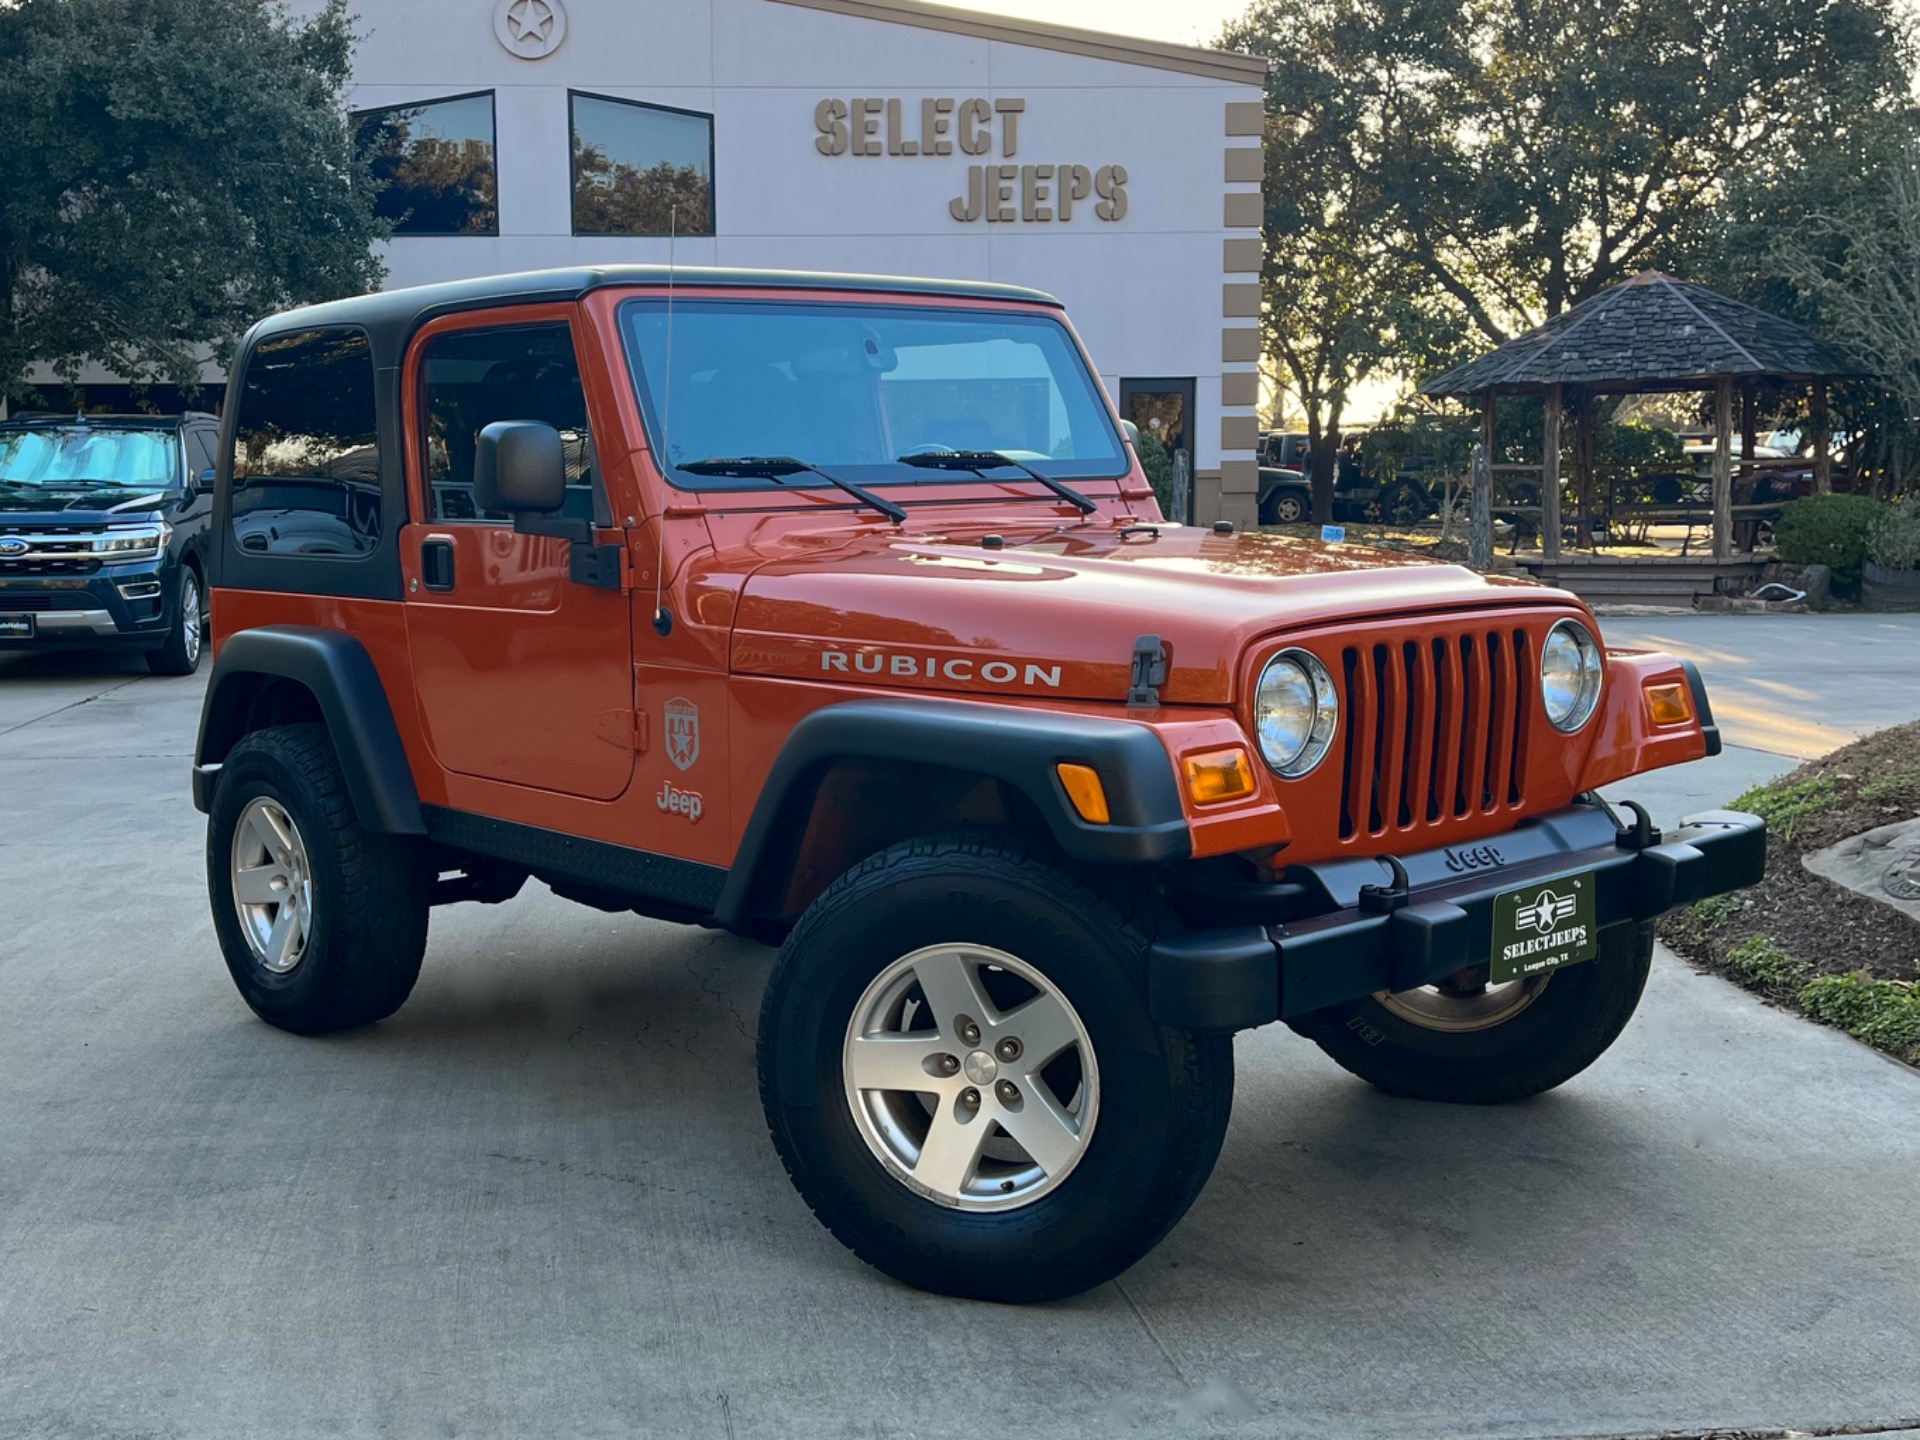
1283 507
323 924
1478 1049
1061 1191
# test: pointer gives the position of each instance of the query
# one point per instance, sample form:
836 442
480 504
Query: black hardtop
38 418
390 316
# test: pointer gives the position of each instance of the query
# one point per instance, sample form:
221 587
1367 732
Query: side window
471 378
199 455
306 453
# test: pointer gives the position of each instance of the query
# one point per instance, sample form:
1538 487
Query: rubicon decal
963 669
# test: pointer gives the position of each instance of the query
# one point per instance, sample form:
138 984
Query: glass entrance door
1163 410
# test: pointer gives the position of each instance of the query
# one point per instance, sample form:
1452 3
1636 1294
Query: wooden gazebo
1648 335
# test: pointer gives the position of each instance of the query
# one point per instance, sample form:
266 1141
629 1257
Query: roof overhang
1121 49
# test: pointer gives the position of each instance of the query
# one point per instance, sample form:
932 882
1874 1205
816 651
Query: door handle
436 562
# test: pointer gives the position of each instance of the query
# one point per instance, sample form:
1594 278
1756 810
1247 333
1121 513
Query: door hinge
626 729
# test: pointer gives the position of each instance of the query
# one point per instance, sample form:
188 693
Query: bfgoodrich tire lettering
1164 1095
366 928
1496 1052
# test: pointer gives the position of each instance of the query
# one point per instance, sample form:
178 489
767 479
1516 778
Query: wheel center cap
980 1068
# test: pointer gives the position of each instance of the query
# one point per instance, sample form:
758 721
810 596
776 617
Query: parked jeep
103 529
836 612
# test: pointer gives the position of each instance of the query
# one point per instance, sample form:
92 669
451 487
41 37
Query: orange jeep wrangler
836 611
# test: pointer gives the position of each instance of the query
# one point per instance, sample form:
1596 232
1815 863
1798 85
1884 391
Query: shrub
1895 539
1830 530
1884 1013
1759 962
1783 807
1158 464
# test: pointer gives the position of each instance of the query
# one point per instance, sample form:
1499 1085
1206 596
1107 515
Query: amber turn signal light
1089 796
1669 704
1216 775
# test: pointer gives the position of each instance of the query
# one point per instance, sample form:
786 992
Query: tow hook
1385 899
1642 833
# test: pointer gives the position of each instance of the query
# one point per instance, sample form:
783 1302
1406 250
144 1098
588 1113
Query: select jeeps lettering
962 668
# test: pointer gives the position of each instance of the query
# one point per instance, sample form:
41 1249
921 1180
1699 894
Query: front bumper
1374 936
120 605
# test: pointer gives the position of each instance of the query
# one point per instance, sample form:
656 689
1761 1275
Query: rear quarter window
306 451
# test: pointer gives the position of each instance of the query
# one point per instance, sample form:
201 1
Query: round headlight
1295 713
1570 670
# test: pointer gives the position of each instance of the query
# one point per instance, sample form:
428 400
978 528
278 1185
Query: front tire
180 655
1483 1045
323 924
961 1077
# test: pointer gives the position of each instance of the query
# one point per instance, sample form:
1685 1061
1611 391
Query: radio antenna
663 622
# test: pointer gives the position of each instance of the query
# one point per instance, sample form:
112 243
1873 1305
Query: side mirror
519 466
203 482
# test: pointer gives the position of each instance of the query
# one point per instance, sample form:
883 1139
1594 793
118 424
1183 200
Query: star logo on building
530 29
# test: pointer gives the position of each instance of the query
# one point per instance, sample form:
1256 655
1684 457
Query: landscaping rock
1883 865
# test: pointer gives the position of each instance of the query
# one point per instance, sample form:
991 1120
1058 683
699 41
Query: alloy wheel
970 1077
272 885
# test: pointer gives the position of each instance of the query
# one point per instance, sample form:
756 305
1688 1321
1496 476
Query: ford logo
11 545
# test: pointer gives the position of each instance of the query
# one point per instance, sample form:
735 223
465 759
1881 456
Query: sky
1186 22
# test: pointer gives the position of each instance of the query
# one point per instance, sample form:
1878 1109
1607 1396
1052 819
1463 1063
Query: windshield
852 388
81 457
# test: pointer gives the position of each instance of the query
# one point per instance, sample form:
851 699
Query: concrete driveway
540 1201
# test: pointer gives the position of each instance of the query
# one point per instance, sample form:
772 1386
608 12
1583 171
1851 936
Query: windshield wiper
777 467
981 461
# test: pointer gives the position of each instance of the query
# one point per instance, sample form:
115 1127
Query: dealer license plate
16 627
1542 927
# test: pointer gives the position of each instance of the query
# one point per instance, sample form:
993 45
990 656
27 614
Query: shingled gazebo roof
1652 332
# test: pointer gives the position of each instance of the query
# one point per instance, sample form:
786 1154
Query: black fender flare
1017 746
336 669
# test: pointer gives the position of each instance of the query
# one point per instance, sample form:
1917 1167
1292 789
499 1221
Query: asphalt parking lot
541 1201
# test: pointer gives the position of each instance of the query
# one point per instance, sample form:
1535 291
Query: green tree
1339 305
173 169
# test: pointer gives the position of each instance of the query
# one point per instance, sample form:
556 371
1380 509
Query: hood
1057 613
79 506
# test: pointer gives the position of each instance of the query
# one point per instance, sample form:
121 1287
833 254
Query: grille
38 563
1438 730
27 600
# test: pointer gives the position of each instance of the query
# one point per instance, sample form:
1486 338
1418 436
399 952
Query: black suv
103 527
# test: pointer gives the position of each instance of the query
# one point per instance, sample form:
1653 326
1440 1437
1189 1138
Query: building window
434 164
640 169
306 451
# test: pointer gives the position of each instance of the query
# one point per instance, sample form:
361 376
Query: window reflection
435 165
306 455
472 378
640 169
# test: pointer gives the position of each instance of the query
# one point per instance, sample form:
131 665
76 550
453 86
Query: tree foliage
1339 306
173 169
1519 156
614 198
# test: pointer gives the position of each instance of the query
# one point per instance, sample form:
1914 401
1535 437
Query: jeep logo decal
683 732
1478 857
962 668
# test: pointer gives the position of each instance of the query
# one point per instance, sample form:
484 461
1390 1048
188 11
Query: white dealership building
885 137
879 136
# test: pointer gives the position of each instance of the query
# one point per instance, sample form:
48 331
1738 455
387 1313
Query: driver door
522 675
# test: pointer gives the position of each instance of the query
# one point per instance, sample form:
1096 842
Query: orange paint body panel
524 696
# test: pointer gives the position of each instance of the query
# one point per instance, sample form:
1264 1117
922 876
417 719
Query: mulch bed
1824 929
